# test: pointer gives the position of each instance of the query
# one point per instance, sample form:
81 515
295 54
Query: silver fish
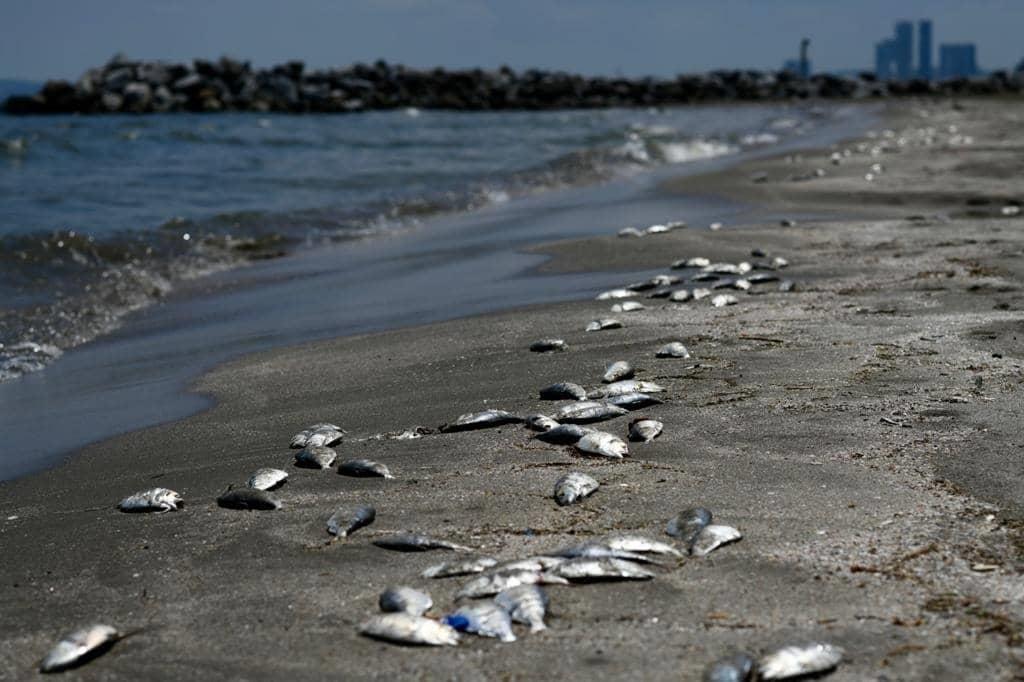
157 500
450 569
248 499
657 229
573 487
672 350
796 661
492 583
665 280
563 390
586 412
404 600
526 604
628 307
704 277
779 262
630 232
537 564
407 434
633 401
736 668
787 285
640 544
713 537
688 524
548 345
315 457
80 647
329 434
604 323
644 430
404 628
414 542
660 293
485 620
603 444
762 278
540 422
696 262
564 434
344 522
626 386
680 296
267 479
615 293
598 550
593 570
481 420
364 468
723 300
700 293
733 283
620 369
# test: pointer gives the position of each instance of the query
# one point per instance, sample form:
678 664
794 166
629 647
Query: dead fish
403 628
736 668
688 524
615 293
326 434
713 537
594 570
680 296
79 647
248 499
723 300
540 422
588 411
657 229
492 583
481 420
598 550
675 349
628 307
267 479
526 604
630 232
758 253
644 430
450 569
737 283
603 444
157 500
485 620
779 262
344 522
660 293
620 369
408 434
564 434
573 487
762 277
787 285
704 277
700 293
723 269
538 564
364 468
563 390
414 542
638 543
548 345
602 324
315 457
696 262
623 387
665 280
404 600
786 222
633 401
796 661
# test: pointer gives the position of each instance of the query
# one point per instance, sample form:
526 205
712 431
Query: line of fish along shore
857 429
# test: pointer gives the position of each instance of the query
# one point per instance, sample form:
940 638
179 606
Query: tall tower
924 49
904 50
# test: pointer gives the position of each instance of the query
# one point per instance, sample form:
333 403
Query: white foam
694 150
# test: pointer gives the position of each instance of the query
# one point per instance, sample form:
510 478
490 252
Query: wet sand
862 431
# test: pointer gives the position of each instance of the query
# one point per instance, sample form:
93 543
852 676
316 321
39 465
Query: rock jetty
128 86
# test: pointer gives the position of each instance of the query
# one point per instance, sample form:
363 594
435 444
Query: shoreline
857 530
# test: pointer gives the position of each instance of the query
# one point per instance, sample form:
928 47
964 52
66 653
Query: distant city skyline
61 38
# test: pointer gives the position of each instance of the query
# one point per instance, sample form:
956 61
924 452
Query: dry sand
863 432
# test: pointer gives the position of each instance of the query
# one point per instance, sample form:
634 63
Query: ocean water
102 216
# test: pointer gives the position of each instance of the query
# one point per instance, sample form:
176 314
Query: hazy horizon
62 38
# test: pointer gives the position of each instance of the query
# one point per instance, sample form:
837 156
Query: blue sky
61 38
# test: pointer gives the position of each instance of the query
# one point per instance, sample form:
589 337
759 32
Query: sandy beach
862 431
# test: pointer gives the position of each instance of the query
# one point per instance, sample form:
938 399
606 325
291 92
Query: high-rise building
924 49
957 60
904 50
884 51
